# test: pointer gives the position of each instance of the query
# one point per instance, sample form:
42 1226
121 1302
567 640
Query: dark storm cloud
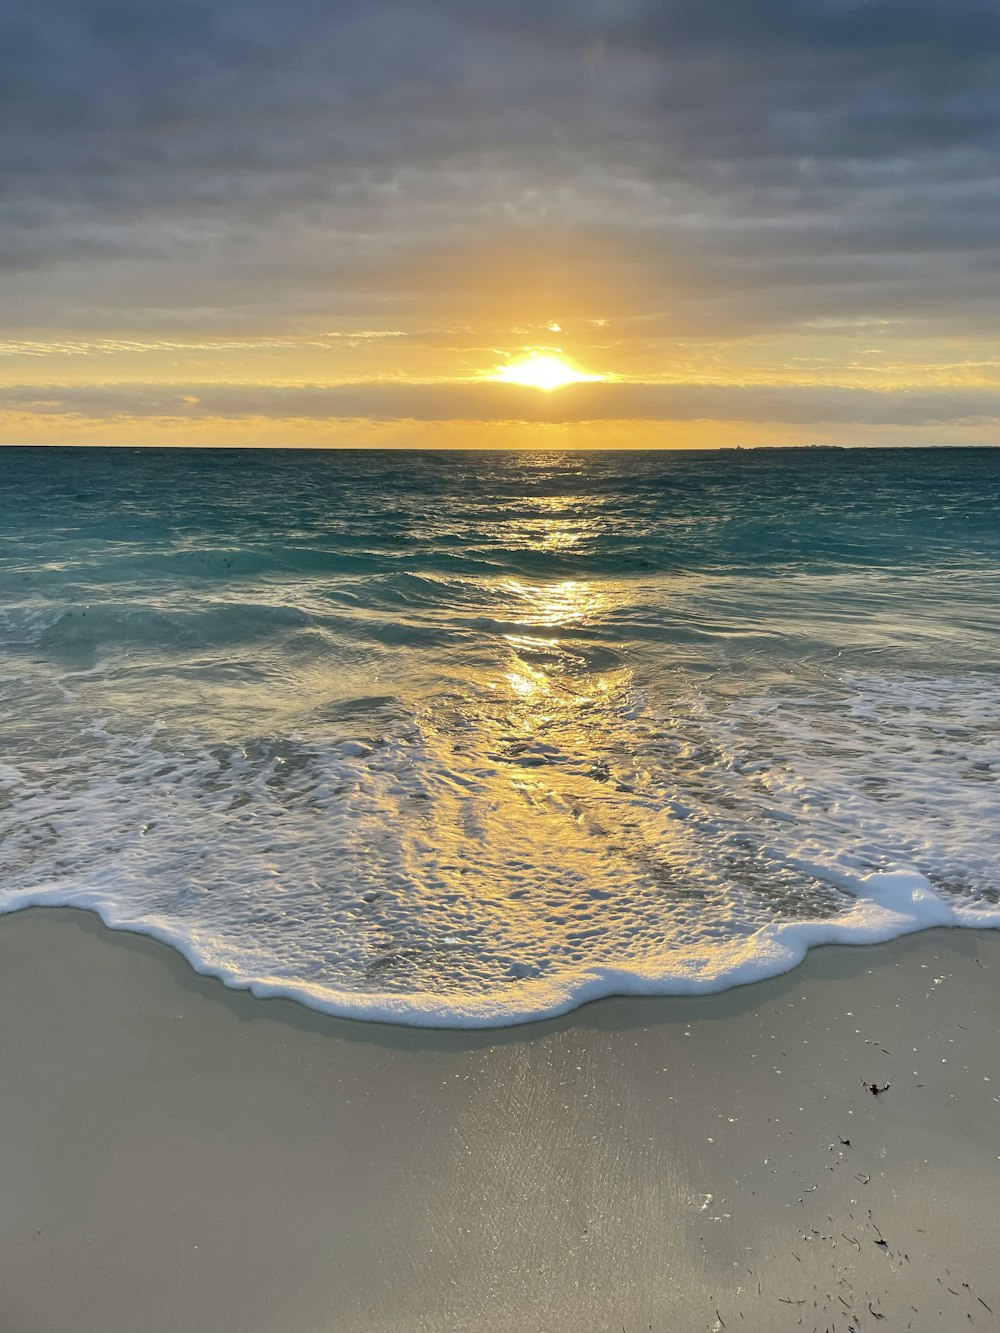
237 162
490 402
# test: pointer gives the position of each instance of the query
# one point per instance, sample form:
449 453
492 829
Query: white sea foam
892 903
472 740
493 861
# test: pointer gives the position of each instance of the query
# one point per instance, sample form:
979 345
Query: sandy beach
176 1156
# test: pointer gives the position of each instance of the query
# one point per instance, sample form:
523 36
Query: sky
334 222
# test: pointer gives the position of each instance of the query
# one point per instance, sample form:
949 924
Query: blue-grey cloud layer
205 164
488 402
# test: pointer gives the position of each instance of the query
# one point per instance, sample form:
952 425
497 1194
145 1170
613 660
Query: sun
539 370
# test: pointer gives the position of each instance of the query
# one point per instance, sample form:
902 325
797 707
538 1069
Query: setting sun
542 371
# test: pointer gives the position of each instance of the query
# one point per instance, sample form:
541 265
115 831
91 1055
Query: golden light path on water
545 671
585 847
560 808
527 758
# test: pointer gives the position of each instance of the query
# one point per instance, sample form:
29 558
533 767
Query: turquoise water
472 737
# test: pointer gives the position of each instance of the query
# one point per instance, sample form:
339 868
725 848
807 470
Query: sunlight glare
542 371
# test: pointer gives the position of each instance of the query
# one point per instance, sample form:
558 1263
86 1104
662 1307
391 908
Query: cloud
239 165
488 402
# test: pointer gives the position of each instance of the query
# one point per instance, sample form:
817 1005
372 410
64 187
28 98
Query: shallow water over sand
469 738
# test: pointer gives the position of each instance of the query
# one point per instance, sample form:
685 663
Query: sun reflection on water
562 603
553 526
558 682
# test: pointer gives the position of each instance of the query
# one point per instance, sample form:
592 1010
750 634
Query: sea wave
470 741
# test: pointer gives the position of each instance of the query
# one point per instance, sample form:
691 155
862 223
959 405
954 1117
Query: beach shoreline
179 1156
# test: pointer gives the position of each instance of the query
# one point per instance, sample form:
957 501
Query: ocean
470 738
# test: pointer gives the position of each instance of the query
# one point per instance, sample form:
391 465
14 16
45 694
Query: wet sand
177 1156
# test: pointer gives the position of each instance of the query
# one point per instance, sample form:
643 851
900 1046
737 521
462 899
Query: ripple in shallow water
529 765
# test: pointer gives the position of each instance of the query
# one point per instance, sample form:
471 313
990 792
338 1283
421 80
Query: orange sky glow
620 226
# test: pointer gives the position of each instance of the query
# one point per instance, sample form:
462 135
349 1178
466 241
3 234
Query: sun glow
542 371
